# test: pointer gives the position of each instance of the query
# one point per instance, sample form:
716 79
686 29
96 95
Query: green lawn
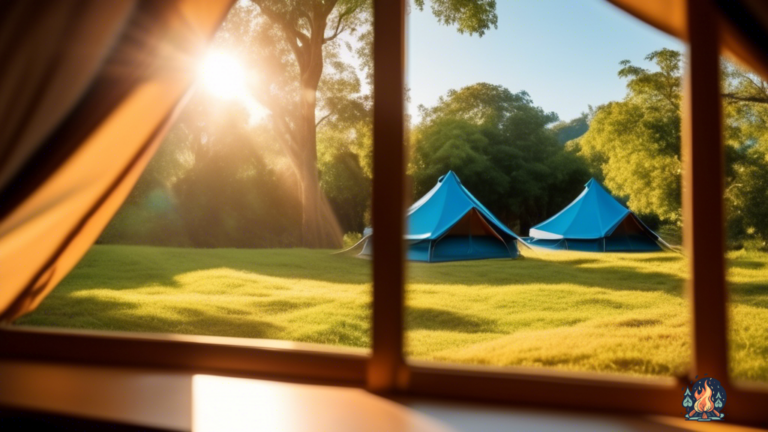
601 312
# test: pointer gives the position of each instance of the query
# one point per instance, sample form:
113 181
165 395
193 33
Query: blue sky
564 53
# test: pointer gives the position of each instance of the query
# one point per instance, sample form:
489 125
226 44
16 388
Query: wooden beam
201 354
703 219
386 362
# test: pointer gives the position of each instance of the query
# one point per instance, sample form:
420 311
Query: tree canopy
318 130
570 130
301 174
634 144
499 145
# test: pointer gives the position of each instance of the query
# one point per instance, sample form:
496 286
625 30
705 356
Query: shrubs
351 238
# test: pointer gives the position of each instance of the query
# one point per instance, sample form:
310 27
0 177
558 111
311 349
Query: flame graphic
704 399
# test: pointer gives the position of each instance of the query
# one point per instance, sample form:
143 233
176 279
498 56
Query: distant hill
573 129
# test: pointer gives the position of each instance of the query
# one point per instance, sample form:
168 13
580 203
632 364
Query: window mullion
703 191
386 362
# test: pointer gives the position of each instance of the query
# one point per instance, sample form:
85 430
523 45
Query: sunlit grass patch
623 313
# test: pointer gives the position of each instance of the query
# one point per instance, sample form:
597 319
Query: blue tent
595 222
449 224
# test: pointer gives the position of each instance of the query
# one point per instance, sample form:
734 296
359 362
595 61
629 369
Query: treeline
220 180
633 146
500 146
214 182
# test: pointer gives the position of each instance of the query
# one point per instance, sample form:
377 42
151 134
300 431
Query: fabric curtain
87 91
744 25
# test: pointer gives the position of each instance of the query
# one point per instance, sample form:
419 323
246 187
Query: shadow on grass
747 264
664 259
127 267
750 294
130 267
106 314
541 271
418 318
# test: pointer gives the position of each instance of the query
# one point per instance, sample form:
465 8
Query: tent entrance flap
472 237
631 235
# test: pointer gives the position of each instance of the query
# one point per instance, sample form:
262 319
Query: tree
469 16
499 145
746 138
345 172
634 144
567 131
297 38
214 182
742 85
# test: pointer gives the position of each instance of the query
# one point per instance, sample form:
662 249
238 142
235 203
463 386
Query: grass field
601 312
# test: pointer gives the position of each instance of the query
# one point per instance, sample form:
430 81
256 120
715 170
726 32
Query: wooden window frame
384 369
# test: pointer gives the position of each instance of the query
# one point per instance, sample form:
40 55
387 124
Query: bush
670 233
351 238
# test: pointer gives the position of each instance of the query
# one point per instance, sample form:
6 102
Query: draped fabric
87 90
744 25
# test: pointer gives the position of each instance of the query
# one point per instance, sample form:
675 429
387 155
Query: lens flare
223 75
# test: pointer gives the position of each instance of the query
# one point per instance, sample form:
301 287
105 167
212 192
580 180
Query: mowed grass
622 313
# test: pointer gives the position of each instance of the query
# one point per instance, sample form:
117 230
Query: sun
222 74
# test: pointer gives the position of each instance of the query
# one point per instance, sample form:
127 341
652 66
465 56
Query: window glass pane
232 228
745 114
558 122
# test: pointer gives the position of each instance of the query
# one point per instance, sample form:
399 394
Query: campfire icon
707 401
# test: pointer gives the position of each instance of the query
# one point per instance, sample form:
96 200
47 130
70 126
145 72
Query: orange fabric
670 16
46 234
666 15
45 73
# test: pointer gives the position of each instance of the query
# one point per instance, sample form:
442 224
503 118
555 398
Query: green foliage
469 16
345 183
498 143
567 131
213 183
143 223
634 145
746 135
635 148
351 238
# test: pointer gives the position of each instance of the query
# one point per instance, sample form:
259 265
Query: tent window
386 369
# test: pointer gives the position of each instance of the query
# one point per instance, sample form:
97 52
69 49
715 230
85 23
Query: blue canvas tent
449 224
595 222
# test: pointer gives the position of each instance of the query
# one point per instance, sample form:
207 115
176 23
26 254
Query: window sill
211 354
185 401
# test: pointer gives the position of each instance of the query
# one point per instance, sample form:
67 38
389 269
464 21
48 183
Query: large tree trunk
319 228
311 221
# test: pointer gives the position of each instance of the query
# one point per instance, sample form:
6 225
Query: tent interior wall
471 238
